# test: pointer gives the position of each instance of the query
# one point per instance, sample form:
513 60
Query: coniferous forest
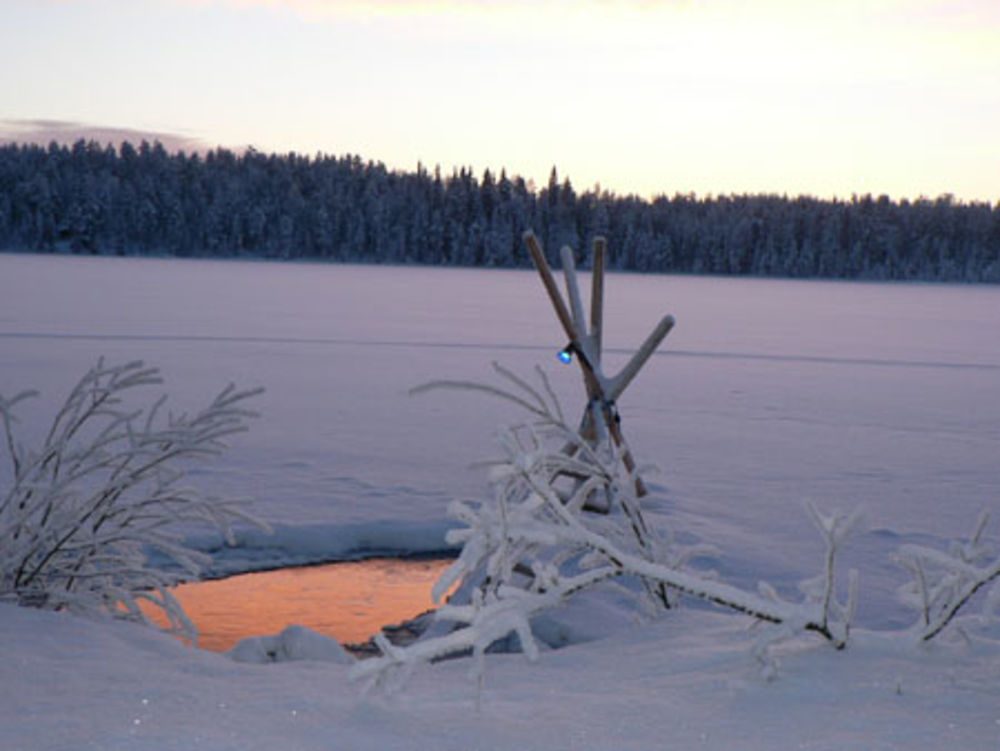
133 200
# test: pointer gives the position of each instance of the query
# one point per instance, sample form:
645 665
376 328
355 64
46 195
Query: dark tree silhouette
94 199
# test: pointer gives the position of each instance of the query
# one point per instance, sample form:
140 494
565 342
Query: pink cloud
65 132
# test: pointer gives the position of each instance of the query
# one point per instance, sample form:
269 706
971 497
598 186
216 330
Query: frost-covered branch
536 544
489 618
834 528
944 582
600 467
85 508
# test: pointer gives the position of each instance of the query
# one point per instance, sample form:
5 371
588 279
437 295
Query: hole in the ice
349 601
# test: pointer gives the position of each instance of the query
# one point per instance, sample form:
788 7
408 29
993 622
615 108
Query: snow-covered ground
767 393
684 682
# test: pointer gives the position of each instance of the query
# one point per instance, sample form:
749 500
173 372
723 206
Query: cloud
67 132
374 9
606 18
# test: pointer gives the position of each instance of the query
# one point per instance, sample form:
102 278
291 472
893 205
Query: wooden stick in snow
597 293
631 369
550 283
602 392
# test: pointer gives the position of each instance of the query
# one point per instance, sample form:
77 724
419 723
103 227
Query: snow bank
687 681
293 643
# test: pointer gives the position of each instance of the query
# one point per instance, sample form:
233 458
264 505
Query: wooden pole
631 369
573 292
594 388
550 283
597 293
600 413
601 393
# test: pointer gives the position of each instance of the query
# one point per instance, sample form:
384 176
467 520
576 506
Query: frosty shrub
564 517
83 510
944 582
538 542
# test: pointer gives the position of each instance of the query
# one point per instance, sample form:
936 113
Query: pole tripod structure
600 418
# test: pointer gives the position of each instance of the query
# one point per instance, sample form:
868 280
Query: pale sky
644 96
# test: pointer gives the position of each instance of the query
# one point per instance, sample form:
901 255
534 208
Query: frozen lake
767 392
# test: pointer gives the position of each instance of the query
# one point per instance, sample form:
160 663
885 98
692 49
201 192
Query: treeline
96 199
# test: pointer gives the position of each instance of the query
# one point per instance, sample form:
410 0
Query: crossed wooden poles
600 417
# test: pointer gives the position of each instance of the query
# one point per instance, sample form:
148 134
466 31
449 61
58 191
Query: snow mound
294 643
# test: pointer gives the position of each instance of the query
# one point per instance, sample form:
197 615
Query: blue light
566 355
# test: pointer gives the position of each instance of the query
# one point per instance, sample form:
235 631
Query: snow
767 394
687 681
291 643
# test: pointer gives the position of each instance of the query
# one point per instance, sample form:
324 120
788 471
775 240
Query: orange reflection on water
349 601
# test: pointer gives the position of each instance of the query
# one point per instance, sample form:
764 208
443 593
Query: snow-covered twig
600 467
486 620
835 528
535 545
85 508
944 582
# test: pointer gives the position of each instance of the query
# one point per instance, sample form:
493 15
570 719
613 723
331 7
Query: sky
900 97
